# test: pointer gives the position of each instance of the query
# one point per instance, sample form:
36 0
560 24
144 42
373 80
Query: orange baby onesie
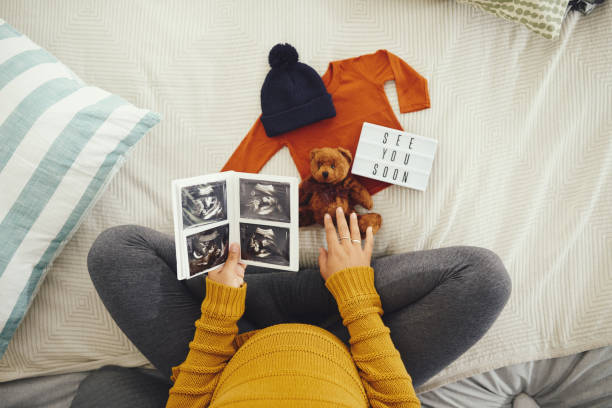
357 89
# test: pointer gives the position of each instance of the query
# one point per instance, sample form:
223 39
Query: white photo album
258 211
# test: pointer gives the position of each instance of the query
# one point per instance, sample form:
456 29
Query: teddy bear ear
313 153
346 154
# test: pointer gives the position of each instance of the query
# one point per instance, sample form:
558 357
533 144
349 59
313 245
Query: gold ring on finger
357 241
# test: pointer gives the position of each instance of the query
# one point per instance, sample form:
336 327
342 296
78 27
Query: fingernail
369 229
234 247
353 215
339 209
327 216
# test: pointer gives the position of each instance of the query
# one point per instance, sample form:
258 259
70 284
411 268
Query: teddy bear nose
325 174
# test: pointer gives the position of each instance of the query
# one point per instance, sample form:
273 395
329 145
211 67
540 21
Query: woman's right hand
344 247
232 273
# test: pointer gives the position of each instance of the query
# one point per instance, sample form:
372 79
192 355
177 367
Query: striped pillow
61 142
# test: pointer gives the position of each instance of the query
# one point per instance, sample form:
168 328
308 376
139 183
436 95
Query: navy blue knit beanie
293 94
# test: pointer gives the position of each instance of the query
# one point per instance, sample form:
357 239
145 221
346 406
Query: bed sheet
578 380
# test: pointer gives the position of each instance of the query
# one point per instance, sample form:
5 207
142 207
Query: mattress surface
523 165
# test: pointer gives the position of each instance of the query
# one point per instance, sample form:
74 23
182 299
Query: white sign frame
394 156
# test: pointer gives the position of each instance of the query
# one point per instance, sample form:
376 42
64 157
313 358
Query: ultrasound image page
264 243
204 203
265 200
207 249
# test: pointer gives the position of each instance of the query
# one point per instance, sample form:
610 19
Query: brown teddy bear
332 186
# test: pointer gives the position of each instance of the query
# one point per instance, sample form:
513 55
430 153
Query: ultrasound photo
264 200
207 249
264 243
204 203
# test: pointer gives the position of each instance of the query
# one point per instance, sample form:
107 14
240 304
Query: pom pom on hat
282 56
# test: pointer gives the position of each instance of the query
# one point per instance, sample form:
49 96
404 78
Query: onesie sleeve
383 66
254 150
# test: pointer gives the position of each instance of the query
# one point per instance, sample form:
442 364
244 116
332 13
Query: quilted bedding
523 165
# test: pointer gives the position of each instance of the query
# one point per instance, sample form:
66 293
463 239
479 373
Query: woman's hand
344 248
232 273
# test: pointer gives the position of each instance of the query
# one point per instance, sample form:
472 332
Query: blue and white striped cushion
61 141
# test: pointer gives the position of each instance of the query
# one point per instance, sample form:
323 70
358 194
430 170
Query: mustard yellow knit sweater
293 365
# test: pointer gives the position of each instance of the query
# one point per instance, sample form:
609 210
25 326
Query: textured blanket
523 165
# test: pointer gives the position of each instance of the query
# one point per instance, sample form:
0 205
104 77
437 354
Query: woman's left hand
344 247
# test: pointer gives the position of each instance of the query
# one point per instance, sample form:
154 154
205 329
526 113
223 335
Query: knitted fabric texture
293 94
295 365
357 89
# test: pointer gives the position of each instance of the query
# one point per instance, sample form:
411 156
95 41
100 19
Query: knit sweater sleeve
212 347
382 372
383 66
254 151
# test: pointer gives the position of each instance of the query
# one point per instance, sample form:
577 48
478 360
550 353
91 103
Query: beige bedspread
523 166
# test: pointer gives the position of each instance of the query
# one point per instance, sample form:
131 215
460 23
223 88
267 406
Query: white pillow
61 142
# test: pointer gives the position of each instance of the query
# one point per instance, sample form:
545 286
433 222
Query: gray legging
437 303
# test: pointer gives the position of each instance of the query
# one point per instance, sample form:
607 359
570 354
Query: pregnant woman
311 338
